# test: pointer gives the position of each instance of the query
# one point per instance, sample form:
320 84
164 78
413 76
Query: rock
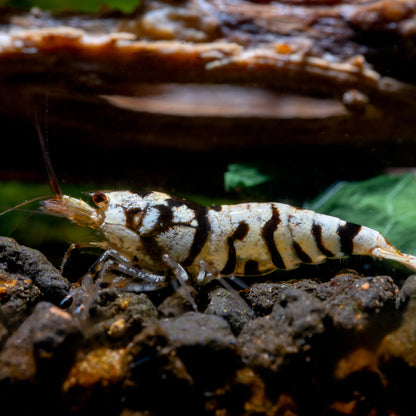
357 361
194 329
205 344
152 370
262 296
333 347
117 316
357 303
130 412
177 303
231 307
18 296
248 391
35 359
94 381
36 349
32 264
397 353
408 290
3 334
268 342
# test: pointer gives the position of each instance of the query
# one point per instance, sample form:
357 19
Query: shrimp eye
99 198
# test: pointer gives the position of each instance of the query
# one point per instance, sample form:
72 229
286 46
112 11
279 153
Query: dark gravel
300 347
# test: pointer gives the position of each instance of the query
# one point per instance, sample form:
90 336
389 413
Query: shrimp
156 232
148 234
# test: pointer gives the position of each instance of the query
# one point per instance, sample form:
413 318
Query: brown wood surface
215 76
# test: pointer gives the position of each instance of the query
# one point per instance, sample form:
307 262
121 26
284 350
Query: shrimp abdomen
257 238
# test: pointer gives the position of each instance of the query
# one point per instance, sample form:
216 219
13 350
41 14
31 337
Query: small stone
356 361
263 296
355 302
32 264
397 350
178 302
269 341
205 344
231 307
408 290
114 315
18 296
100 369
37 348
152 369
194 329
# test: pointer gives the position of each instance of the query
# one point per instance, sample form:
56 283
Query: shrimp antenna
39 198
49 168
53 180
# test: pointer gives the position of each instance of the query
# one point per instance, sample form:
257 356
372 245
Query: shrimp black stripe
200 237
317 234
303 256
238 234
346 233
268 234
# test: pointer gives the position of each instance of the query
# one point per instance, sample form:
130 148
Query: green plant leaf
386 203
243 176
27 224
86 6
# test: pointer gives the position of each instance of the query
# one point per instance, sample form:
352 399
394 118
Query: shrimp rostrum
155 232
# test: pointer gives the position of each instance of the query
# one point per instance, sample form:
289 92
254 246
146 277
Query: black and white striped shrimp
149 234
156 232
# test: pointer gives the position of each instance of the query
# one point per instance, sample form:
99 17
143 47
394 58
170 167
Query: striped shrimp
156 232
148 234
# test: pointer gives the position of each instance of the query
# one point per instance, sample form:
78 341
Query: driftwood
165 90
175 73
